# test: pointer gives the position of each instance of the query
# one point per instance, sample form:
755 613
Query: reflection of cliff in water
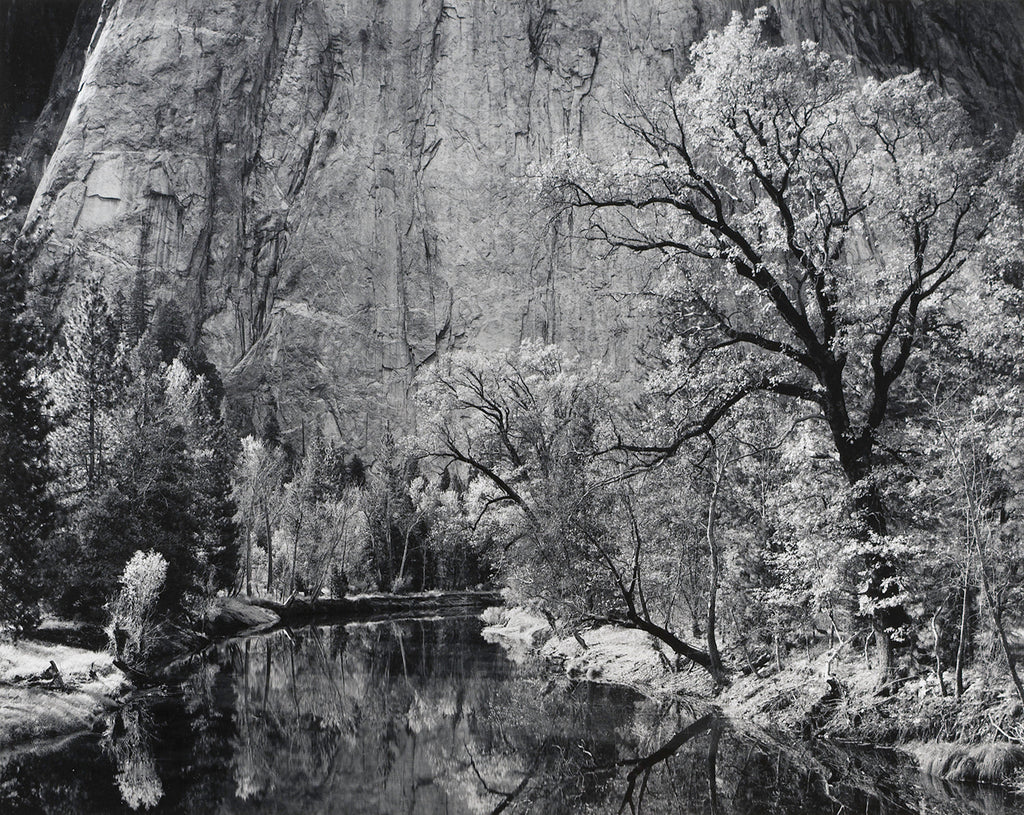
364 718
424 717
410 717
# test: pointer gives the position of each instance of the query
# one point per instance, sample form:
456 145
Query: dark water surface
424 717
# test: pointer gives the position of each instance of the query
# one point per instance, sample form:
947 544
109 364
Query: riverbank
817 695
49 688
606 654
39 701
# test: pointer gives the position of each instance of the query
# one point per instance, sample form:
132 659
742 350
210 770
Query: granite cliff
333 188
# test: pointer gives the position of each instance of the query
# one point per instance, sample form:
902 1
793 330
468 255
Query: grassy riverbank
35 704
817 694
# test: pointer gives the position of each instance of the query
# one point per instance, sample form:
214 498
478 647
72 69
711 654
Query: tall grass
993 763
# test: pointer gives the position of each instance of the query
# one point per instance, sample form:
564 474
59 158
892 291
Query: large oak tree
813 227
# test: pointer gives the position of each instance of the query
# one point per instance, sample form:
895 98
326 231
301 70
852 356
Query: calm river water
423 717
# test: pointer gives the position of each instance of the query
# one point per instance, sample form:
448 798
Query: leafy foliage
815 230
132 614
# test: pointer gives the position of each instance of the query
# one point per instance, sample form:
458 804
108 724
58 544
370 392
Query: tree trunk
423 578
961 648
977 531
880 571
715 561
938 654
248 563
885 654
997 619
270 549
295 548
405 554
634 620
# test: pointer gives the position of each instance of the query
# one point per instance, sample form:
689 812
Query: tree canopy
816 229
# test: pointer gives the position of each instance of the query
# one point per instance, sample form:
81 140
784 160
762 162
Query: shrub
132 612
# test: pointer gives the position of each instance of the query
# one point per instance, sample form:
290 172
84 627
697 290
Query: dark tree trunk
965 630
882 587
714 578
680 648
997 618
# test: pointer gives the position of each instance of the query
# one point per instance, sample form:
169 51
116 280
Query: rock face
231 615
335 189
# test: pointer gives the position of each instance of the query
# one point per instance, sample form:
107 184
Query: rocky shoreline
821 697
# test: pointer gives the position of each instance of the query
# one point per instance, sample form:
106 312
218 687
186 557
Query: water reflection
130 746
425 717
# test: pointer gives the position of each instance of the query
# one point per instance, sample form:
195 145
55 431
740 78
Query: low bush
132 618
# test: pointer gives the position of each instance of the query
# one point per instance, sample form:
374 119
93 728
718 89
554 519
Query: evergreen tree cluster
26 507
140 453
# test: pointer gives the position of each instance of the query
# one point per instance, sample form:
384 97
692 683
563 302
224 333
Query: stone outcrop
233 615
337 190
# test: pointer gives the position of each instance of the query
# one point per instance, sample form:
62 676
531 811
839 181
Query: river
425 716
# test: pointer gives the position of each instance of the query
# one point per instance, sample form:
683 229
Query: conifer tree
190 407
86 383
26 510
142 457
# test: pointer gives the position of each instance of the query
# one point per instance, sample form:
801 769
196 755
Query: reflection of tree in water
703 765
188 735
551 747
129 744
190 732
423 717
708 766
420 717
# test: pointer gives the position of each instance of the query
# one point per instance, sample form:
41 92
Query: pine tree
136 314
86 384
189 406
26 509
167 330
